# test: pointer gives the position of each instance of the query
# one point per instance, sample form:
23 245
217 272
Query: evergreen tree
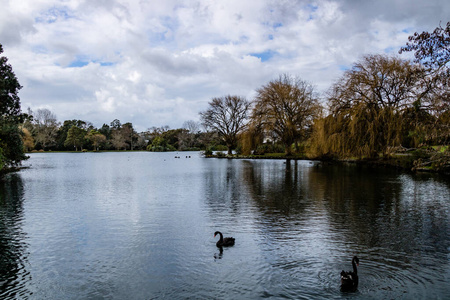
11 145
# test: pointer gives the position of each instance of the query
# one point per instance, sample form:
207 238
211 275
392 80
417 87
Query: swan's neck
355 270
221 237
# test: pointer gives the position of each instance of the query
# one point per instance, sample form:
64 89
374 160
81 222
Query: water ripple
140 226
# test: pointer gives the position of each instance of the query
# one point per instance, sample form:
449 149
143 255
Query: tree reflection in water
13 249
313 217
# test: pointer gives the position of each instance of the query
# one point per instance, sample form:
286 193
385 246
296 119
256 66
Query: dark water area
141 225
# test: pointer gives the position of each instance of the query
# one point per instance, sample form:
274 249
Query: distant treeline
42 132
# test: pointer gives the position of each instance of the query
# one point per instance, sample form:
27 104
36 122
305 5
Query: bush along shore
430 159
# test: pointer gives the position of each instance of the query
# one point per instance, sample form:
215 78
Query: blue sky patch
277 25
312 8
264 56
106 64
389 50
78 64
52 15
39 49
82 62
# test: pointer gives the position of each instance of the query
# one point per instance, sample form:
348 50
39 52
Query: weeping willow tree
361 131
251 138
367 108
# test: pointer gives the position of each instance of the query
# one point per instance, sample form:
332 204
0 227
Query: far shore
398 161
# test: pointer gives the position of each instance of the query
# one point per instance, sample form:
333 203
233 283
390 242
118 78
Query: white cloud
156 63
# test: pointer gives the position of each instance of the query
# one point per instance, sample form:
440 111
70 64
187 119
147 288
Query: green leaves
11 146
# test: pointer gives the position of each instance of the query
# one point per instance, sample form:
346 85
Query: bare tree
186 137
118 140
286 107
227 115
45 127
192 126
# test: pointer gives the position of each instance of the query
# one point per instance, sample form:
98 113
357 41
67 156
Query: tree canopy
11 144
9 89
287 107
75 137
227 115
45 128
370 105
430 49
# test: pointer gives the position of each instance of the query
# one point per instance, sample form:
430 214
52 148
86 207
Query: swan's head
356 260
216 233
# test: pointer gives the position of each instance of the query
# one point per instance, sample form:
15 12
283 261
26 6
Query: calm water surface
140 226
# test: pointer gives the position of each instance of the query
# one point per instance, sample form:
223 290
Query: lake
140 226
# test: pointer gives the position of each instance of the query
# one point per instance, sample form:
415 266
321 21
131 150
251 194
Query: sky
158 63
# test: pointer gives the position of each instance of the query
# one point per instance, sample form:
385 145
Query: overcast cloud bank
156 63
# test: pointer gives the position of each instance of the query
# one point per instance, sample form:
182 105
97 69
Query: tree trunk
287 149
230 150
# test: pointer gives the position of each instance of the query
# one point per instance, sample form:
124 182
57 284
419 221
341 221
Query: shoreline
408 162
400 162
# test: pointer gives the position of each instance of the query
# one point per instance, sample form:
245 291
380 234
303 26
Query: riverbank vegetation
11 145
384 109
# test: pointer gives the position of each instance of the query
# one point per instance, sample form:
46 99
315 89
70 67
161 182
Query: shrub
208 151
220 154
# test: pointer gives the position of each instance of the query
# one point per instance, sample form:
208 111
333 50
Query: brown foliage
368 108
286 107
28 141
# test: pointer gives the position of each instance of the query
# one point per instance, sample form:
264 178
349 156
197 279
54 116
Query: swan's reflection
220 254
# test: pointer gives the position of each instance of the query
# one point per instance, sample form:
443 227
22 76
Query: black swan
223 242
349 280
